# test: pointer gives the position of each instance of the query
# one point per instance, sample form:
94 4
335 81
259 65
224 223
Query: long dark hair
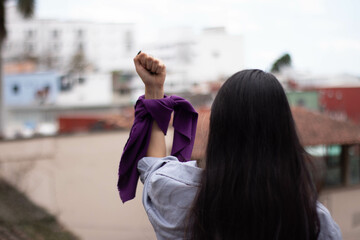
255 184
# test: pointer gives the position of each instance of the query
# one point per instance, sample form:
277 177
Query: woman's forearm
154 93
153 72
157 146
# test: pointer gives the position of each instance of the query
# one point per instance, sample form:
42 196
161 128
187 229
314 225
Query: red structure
74 124
81 124
342 102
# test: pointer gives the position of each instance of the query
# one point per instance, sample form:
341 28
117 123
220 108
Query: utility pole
2 40
2 104
26 9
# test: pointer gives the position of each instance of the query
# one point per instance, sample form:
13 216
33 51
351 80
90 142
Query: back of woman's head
255 184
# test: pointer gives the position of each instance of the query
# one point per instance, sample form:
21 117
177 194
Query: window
80 33
80 47
342 163
330 94
333 165
128 41
29 34
29 48
81 80
338 95
15 89
55 34
300 102
65 83
56 47
216 54
8 46
354 164
55 60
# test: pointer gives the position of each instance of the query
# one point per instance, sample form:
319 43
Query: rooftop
319 129
314 128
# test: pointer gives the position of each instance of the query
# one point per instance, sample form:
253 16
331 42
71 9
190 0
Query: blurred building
193 58
306 99
34 102
57 69
31 89
22 94
54 44
341 102
293 79
77 47
338 95
89 73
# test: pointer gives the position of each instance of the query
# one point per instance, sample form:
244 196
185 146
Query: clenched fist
152 72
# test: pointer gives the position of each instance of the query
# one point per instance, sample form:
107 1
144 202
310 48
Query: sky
322 36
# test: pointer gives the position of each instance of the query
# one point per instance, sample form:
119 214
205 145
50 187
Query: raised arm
146 137
152 72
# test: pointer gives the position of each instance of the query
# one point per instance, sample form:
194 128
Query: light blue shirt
170 187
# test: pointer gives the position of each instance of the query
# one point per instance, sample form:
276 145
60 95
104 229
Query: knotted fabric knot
146 111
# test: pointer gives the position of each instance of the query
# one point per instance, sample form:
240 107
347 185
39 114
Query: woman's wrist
154 93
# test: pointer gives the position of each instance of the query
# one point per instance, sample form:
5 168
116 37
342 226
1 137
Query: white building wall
217 55
195 58
96 90
107 46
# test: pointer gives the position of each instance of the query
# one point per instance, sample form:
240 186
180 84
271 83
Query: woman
255 184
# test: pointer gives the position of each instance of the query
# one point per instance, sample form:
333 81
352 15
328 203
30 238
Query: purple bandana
184 123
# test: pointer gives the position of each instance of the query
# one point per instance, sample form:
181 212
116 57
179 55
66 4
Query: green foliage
78 63
2 21
26 7
284 60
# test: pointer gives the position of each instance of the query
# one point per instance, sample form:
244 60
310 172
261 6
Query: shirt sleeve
329 230
159 110
170 187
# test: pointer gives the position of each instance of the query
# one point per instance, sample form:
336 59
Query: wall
341 101
75 178
106 46
309 100
29 89
343 203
